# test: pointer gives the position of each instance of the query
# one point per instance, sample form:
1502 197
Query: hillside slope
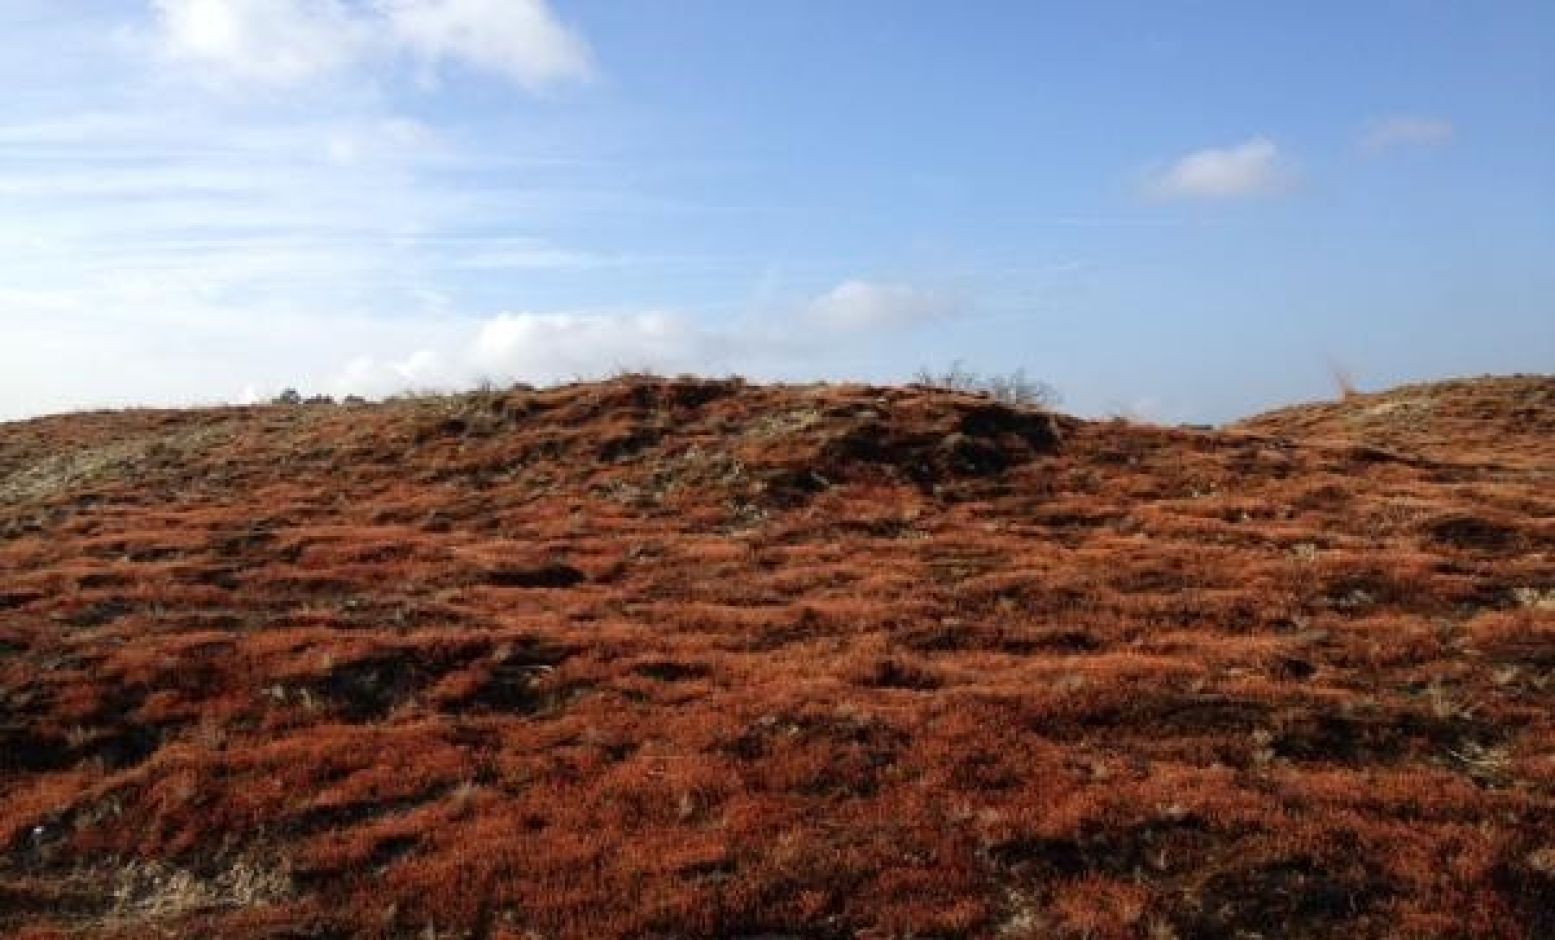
705 659
1493 419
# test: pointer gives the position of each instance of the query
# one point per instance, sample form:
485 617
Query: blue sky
1178 211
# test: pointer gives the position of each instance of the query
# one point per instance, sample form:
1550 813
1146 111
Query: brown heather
701 659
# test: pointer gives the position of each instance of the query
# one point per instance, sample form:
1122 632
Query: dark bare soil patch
540 576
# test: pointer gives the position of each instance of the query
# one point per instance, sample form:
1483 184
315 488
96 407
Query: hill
705 659
1501 418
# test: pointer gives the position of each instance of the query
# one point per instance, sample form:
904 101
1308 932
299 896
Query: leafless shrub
1012 388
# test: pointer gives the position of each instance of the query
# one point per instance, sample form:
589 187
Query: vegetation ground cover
676 658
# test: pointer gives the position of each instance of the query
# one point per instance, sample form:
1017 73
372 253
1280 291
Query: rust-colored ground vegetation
698 659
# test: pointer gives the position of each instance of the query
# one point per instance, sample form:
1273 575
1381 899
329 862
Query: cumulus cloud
865 305
366 375
287 42
540 348
1252 168
558 346
1406 131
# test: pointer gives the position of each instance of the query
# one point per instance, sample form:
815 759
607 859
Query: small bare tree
1013 388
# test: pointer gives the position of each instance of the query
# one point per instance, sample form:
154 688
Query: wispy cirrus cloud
288 42
1400 131
278 42
1255 167
207 243
522 40
217 246
535 255
858 305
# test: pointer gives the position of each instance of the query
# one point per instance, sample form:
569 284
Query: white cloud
280 42
172 256
191 209
288 42
552 346
1406 131
175 248
520 39
558 346
422 369
537 348
529 347
534 256
60 352
1252 168
865 305
374 142
168 338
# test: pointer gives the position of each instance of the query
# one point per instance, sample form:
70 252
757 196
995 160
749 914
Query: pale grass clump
145 890
1535 598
